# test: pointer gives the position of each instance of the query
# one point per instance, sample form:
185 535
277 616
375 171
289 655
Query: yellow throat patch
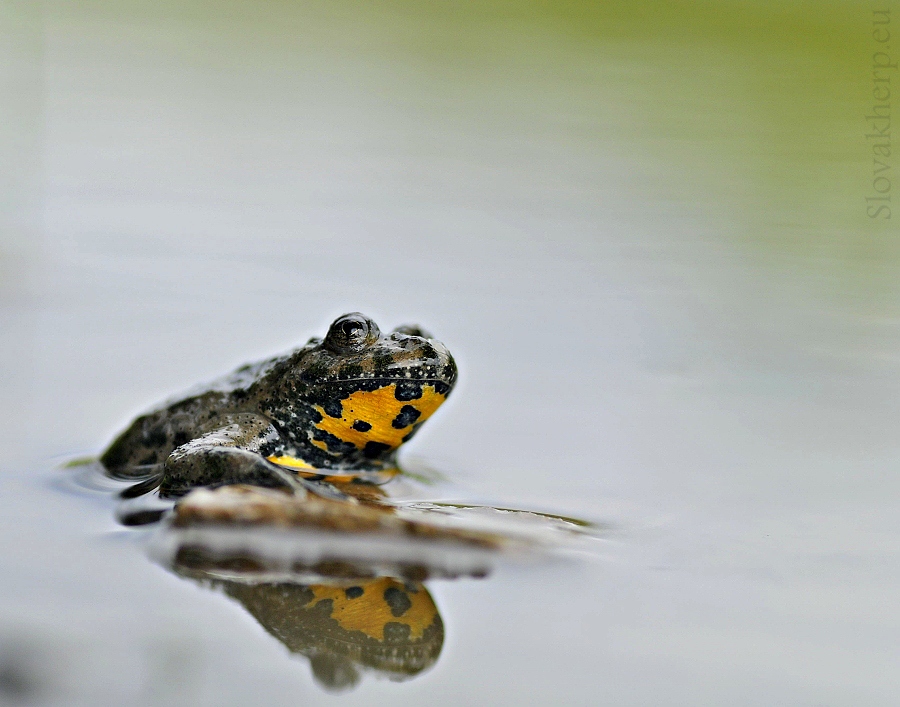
378 409
370 609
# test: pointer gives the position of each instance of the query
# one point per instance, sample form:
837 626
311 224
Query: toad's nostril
405 340
413 330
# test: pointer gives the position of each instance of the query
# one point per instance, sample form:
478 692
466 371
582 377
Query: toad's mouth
387 380
441 377
435 366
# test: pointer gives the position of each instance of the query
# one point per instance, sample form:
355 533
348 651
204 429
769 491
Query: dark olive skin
336 408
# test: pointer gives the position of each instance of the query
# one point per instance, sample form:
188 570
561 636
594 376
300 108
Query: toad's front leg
229 454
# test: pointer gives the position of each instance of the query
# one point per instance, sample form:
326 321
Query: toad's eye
351 333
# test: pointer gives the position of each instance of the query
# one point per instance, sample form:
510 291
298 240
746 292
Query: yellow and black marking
308 471
375 421
382 624
383 609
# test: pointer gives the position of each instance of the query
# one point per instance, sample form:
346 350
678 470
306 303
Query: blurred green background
755 108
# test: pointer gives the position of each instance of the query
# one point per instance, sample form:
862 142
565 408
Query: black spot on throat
408 415
397 600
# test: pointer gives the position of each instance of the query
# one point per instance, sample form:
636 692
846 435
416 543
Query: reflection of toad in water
390 627
341 582
336 611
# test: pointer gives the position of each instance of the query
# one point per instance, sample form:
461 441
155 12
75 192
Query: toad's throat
377 419
372 604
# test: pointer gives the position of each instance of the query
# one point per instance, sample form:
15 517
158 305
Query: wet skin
335 409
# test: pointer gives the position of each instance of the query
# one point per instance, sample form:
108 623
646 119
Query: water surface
641 231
